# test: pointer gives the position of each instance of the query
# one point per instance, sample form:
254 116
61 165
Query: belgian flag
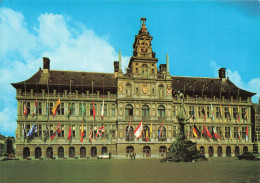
196 131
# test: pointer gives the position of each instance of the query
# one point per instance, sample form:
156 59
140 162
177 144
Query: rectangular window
227 132
217 112
85 131
51 129
28 128
73 107
200 115
82 109
73 131
190 110
236 132
136 91
113 109
208 109
226 112
28 106
61 134
62 109
39 131
113 134
243 132
174 111
50 108
243 113
39 108
105 110
235 112
91 109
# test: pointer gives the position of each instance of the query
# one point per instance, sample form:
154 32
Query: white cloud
69 48
253 85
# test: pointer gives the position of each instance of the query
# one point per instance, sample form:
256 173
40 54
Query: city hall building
145 93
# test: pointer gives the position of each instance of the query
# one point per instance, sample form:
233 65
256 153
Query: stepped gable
210 85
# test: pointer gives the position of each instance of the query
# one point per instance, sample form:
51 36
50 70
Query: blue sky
199 36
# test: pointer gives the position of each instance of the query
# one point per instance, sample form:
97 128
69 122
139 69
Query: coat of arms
145 88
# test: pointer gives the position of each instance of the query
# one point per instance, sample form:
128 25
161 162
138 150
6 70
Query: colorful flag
212 112
94 111
203 112
35 108
246 133
70 109
47 109
69 135
24 132
102 110
128 129
56 108
229 112
160 131
32 130
206 132
220 107
24 110
82 132
147 134
138 131
216 133
230 134
151 130
102 128
90 134
246 115
57 131
196 131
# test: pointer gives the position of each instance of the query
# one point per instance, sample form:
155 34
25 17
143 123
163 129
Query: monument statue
182 149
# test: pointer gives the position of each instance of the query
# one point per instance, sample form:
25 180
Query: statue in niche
128 90
145 70
161 91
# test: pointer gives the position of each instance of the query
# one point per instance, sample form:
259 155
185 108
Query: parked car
104 156
249 156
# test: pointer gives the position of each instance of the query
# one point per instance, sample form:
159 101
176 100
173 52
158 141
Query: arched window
129 133
146 151
202 150
162 151
161 111
219 151
38 152
49 152
26 152
211 151
228 151
245 149
129 151
129 110
162 133
82 152
146 133
237 151
72 152
145 110
60 152
104 150
93 152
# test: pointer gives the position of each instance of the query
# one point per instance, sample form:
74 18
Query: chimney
222 73
116 66
46 63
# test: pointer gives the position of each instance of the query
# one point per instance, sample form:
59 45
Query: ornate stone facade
144 93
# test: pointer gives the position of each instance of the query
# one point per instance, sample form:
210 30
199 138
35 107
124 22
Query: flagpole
93 109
